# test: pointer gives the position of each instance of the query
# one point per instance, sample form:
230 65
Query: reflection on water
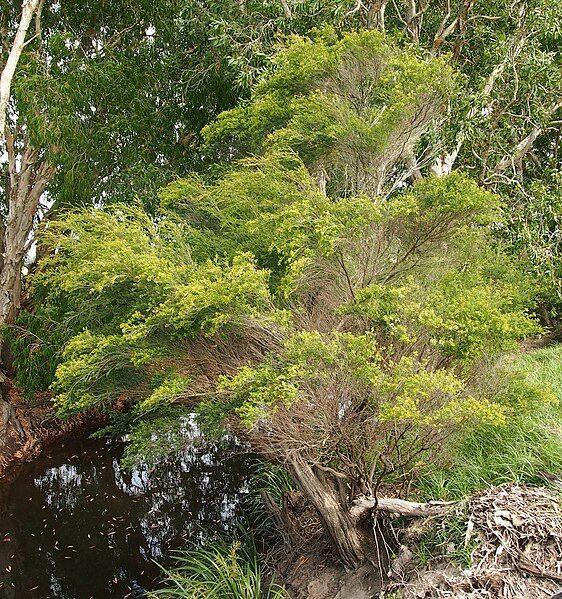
77 526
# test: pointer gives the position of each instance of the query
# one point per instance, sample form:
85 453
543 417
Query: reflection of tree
90 528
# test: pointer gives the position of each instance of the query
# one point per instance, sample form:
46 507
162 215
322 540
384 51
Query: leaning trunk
26 185
337 522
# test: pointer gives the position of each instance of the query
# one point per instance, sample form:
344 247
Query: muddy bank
27 429
314 577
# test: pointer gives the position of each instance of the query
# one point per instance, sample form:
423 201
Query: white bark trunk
444 163
524 146
28 9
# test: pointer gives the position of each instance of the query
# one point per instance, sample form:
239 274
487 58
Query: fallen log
400 507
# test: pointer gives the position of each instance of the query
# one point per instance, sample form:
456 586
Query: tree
344 333
26 183
108 101
29 8
353 109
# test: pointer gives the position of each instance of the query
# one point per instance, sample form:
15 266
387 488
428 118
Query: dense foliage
344 320
366 222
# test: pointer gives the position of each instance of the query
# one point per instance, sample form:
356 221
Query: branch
445 31
443 165
400 507
38 20
286 9
28 10
524 146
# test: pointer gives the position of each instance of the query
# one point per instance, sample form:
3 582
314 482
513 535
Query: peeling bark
337 522
29 175
27 184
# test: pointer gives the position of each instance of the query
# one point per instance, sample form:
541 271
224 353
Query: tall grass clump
543 367
520 451
271 481
223 570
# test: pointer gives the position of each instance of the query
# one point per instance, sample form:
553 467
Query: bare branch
400 507
524 146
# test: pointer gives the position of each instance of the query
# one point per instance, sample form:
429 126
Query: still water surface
75 525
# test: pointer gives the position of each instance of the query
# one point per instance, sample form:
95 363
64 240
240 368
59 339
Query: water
74 525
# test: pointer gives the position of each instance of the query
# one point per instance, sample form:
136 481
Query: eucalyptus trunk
29 175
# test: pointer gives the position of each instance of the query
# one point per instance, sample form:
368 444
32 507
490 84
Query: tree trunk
29 176
340 526
28 9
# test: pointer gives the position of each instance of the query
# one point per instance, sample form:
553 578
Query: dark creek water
74 525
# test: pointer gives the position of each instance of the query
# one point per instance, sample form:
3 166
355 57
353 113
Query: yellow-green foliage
126 303
522 450
338 103
465 315
167 392
400 392
135 250
95 369
214 296
352 322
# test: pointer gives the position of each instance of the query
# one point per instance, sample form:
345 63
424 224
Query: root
8 416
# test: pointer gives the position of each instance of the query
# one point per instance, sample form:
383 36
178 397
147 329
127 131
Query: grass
273 480
220 571
446 538
518 452
543 367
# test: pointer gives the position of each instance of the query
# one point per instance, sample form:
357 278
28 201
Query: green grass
446 538
518 452
220 571
543 367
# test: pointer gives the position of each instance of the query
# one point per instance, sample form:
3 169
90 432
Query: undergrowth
222 570
446 538
519 451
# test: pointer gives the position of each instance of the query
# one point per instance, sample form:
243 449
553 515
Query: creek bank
511 536
314 577
28 429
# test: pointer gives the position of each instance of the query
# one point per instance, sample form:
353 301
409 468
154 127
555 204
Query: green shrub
220 571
